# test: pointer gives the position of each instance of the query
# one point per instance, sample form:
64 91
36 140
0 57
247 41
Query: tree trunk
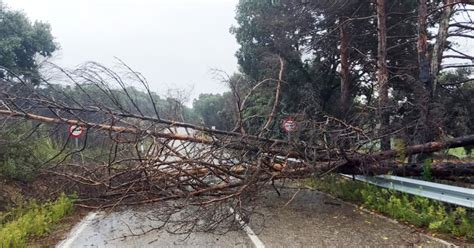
422 43
427 147
440 44
276 103
427 122
344 53
382 76
448 170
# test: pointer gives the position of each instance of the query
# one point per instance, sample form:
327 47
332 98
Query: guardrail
436 191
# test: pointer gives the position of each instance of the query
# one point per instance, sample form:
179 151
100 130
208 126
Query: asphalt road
310 219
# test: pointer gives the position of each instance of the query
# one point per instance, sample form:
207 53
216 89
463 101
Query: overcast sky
173 43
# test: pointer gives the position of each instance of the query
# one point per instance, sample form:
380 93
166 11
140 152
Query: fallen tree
153 160
355 163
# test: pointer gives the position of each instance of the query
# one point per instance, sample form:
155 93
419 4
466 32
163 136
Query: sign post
75 131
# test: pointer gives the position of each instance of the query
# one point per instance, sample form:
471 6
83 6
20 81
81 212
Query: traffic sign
289 125
76 131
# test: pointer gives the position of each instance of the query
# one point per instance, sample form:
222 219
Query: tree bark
440 43
344 53
447 170
428 147
422 43
382 76
276 103
283 150
422 87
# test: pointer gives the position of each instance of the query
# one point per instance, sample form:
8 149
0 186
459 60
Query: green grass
419 211
459 152
32 220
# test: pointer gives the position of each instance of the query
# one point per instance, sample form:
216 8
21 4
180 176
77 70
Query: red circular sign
76 131
289 125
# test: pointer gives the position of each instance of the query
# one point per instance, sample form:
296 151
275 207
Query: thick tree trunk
428 147
243 144
382 75
344 53
424 83
440 44
422 43
446 170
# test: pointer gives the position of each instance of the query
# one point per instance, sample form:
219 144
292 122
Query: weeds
17 225
415 210
426 173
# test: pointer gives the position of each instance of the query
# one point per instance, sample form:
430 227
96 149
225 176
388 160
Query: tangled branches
137 157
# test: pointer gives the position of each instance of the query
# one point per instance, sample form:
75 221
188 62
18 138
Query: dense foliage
22 43
20 154
306 34
215 110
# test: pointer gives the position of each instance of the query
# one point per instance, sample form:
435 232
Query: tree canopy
23 43
330 53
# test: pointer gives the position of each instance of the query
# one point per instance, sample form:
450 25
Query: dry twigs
181 166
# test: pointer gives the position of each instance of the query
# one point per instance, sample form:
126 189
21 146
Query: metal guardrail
436 191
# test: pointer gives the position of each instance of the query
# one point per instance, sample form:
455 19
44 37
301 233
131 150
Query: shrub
19 224
21 154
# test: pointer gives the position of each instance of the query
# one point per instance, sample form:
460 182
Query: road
311 219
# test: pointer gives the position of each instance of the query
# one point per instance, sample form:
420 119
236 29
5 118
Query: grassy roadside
414 210
32 220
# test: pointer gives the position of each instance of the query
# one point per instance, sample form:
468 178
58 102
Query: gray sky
173 43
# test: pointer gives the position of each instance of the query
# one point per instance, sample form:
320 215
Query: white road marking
77 230
253 237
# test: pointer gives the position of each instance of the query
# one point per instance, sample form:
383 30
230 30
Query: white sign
289 125
76 131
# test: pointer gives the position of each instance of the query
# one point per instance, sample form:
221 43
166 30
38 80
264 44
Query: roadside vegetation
20 154
32 220
414 210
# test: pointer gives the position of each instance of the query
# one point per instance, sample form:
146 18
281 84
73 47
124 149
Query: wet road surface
310 219
313 219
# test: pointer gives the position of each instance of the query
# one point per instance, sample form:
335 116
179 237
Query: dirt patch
11 193
14 192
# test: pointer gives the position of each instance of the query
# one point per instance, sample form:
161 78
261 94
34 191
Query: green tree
456 94
306 35
22 43
310 36
215 110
